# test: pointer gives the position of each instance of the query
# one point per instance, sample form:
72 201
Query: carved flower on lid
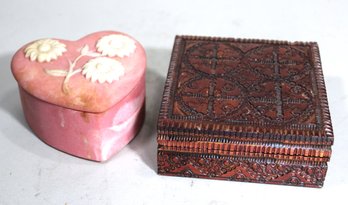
103 69
45 50
116 45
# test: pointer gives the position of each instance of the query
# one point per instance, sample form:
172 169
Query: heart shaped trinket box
83 97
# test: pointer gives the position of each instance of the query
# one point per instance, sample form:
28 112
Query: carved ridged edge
252 147
246 154
221 133
324 104
251 159
168 88
292 129
327 136
226 139
249 150
243 40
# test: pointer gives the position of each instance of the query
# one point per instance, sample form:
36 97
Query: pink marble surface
107 120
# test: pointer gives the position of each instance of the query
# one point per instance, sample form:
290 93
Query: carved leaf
57 72
84 50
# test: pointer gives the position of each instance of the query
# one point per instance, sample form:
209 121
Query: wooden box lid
241 97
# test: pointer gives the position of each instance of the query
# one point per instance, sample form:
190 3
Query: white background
31 172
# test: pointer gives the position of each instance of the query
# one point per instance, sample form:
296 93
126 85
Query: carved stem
71 73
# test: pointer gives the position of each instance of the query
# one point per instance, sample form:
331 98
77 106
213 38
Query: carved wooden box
245 110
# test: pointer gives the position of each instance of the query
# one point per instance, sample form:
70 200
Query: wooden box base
244 169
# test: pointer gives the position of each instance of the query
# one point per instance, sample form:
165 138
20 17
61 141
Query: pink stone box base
94 136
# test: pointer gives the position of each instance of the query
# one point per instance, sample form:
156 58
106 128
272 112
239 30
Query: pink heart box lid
47 81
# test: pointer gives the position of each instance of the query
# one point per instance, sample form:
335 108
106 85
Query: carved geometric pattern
242 169
222 82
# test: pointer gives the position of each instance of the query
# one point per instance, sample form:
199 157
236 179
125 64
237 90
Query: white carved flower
116 45
44 50
103 69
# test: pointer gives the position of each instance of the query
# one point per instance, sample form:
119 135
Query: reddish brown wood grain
247 103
